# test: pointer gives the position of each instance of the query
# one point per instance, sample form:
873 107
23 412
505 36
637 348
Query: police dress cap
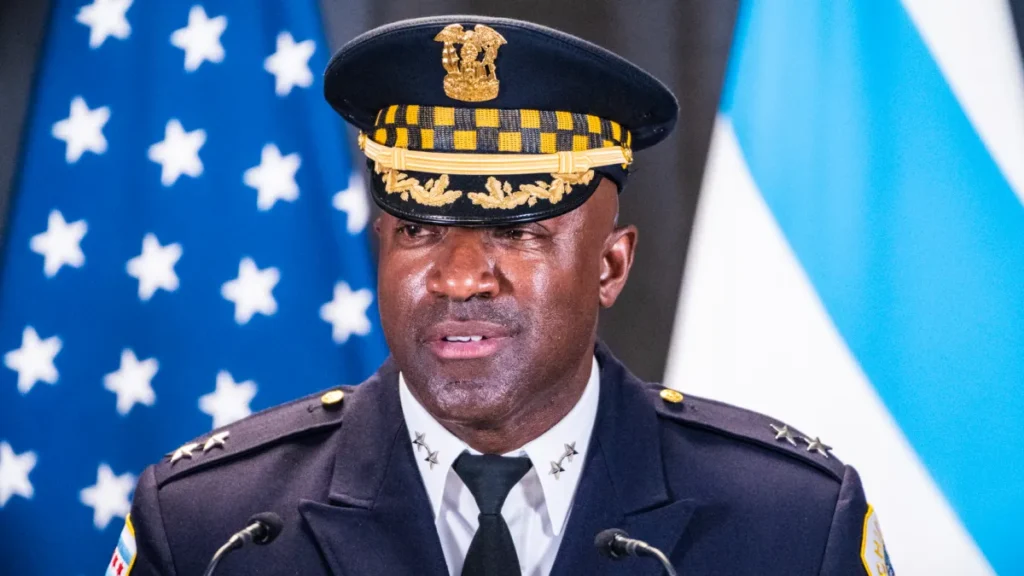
477 121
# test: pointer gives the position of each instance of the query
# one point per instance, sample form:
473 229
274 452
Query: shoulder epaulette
745 425
306 415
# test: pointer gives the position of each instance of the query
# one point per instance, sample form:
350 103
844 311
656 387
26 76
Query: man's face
485 322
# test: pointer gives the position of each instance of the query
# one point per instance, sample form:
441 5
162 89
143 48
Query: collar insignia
556 467
431 459
570 451
421 442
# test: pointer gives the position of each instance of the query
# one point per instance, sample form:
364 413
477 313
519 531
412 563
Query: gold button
332 398
673 396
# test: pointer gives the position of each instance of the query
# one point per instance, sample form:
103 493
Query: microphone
261 529
616 544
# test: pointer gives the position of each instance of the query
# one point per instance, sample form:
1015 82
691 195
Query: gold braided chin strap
469 164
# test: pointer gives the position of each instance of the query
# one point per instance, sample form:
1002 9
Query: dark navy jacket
705 482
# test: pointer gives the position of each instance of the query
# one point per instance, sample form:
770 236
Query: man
501 437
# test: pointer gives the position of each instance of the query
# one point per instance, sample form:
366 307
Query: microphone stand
652 551
221 552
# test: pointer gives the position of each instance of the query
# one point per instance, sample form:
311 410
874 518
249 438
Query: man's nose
464 270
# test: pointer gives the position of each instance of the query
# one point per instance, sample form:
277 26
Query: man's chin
469 401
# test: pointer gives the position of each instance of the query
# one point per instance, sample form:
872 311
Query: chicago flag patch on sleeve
124 555
872 547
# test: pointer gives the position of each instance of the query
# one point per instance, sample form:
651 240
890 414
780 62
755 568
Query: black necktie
490 478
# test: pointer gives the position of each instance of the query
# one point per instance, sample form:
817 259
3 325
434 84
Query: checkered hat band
446 129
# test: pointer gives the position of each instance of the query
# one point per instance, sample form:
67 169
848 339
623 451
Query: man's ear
616 261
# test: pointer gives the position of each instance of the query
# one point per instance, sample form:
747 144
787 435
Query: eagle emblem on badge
472 76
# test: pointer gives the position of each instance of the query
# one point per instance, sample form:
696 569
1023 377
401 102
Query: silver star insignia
431 458
783 433
216 440
183 452
556 469
817 445
419 442
570 451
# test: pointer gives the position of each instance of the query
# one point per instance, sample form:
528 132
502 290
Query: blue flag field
187 245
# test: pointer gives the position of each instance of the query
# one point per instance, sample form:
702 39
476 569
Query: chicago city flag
187 245
857 266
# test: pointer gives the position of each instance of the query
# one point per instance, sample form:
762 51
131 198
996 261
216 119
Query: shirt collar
437 449
431 443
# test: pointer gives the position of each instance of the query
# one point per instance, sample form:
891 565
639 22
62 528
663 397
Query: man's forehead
482 122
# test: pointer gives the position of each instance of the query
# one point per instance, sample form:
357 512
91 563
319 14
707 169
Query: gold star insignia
183 452
216 440
817 445
784 433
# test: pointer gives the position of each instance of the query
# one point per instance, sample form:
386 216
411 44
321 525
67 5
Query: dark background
685 43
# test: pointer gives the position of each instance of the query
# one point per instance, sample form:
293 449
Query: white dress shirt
537 508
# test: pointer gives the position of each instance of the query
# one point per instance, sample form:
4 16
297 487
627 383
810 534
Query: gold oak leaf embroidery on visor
500 195
434 193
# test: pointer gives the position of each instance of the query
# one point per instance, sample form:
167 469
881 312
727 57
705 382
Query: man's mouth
464 340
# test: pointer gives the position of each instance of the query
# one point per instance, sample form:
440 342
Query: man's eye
514 234
411 230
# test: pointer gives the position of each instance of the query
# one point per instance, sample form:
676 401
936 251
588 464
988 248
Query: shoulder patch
124 555
746 425
317 411
872 547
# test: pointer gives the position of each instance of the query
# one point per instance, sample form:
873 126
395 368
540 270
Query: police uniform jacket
705 482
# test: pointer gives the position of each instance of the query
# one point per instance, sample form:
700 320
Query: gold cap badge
673 396
472 76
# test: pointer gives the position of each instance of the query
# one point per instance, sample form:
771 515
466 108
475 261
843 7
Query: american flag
188 244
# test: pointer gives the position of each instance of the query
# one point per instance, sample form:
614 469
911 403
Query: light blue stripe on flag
908 231
122 549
